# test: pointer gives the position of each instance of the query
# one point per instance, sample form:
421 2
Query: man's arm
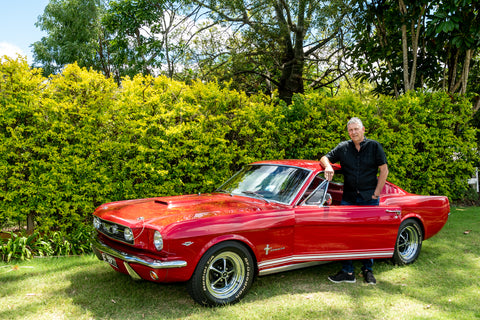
382 178
328 172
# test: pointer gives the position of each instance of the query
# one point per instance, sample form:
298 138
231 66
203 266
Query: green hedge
430 144
75 140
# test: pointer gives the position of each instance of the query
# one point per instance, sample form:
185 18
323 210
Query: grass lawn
444 283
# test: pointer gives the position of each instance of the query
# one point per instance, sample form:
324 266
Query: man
361 159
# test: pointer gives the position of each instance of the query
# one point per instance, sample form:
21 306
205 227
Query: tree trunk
406 77
409 76
476 106
30 223
291 79
466 69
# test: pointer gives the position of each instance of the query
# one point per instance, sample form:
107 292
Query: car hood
163 211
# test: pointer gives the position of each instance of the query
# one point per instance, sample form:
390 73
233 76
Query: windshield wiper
255 195
223 191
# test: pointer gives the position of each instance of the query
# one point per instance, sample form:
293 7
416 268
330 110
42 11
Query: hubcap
225 275
408 243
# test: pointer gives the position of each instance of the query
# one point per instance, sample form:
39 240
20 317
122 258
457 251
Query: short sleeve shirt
360 168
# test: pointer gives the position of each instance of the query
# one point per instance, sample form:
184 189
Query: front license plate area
109 259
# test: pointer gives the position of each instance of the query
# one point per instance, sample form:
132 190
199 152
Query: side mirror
328 200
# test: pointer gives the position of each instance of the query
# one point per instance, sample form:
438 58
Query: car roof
312 165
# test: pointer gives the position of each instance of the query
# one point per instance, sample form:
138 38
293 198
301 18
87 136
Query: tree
149 36
389 38
474 86
279 40
74 35
408 44
261 45
455 33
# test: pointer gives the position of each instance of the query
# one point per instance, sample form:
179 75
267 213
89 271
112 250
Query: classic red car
271 216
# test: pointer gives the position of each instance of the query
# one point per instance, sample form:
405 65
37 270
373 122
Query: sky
17 26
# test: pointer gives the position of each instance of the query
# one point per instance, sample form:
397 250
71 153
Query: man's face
356 132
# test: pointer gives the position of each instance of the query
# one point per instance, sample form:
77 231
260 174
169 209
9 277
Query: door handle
397 212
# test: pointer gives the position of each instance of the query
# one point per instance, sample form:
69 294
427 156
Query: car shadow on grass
105 293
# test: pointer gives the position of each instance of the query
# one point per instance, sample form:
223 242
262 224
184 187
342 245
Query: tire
223 275
409 242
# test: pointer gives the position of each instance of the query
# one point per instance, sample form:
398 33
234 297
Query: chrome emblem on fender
267 249
188 243
270 249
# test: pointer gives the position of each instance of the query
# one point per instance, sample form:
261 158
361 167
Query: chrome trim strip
131 272
151 263
324 257
290 267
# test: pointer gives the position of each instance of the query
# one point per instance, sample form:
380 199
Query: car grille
113 230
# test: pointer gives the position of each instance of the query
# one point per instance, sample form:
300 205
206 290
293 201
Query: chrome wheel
409 242
225 275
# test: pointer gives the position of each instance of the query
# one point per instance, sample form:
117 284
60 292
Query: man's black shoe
368 276
342 277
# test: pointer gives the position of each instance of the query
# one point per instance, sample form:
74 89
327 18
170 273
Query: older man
361 160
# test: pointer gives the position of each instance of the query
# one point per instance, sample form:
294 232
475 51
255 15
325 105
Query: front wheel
223 275
409 242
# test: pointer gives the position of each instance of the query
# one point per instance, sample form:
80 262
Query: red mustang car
271 216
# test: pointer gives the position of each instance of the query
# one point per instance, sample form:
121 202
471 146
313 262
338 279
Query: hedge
430 143
75 140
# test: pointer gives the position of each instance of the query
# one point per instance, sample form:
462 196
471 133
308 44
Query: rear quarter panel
431 211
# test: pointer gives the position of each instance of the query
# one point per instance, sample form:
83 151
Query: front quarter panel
257 231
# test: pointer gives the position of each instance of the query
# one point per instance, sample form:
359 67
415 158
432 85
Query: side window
313 185
335 188
319 197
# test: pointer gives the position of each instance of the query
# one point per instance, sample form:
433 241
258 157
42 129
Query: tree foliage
149 37
455 26
260 45
282 45
74 34
406 45
270 45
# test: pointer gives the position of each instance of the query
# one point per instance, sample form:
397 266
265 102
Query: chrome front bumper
99 246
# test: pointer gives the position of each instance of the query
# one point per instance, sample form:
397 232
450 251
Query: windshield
269 182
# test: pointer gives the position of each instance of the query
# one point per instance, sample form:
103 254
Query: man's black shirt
359 168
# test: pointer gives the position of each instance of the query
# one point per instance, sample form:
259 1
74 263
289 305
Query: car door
330 232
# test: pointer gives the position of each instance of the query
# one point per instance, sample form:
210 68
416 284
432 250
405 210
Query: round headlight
158 240
96 223
128 234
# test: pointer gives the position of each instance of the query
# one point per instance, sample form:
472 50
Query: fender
223 238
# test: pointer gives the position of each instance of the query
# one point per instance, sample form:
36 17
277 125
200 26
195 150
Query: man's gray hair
355 120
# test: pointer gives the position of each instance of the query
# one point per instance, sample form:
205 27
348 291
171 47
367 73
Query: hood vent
161 202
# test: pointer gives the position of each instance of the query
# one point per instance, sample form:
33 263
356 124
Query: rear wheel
409 242
223 275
